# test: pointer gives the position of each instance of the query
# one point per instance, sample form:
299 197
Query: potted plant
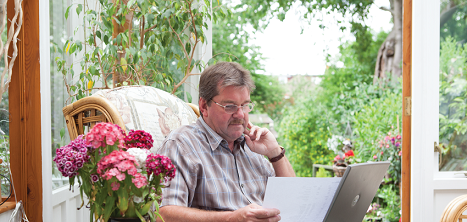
341 162
136 42
117 173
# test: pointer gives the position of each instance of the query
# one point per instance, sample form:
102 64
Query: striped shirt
209 176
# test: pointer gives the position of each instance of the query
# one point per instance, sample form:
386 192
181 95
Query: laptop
355 192
338 199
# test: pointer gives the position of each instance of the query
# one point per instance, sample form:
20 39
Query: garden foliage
452 100
347 105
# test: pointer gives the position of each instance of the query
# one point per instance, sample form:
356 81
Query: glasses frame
243 107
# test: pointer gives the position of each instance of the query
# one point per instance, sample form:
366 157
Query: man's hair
223 74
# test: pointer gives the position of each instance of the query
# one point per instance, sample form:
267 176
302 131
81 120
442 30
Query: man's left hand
261 141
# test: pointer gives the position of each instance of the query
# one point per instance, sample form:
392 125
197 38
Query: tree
354 12
231 43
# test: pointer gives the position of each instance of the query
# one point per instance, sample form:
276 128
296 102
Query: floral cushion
152 110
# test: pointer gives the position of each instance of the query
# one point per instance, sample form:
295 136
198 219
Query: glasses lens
249 107
231 108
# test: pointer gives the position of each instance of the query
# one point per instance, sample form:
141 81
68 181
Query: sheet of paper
299 199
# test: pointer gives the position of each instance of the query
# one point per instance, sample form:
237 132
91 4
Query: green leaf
188 97
146 207
122 203
130 3
79 9
106 39
62 132
67 11
131 212
109 203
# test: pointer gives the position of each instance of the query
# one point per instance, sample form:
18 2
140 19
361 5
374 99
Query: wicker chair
111 105
454 210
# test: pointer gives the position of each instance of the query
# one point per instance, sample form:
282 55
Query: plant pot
339 170
125 219
374 219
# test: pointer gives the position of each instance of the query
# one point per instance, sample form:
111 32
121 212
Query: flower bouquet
390 149
340 163
118 174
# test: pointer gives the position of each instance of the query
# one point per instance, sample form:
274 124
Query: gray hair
223 74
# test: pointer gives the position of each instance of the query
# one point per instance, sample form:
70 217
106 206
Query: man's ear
203 107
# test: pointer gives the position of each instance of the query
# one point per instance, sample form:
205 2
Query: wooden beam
406 108
25 112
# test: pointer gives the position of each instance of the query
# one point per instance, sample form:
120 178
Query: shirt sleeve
269 168
181 189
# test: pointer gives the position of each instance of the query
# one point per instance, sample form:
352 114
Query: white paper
299 199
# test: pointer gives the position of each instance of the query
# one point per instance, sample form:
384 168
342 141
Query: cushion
150 109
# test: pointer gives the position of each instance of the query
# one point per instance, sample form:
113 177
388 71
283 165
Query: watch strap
275 159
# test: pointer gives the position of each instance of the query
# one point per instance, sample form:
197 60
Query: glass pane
59 30
4 131
453 85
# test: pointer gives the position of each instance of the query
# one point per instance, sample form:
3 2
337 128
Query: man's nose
239 113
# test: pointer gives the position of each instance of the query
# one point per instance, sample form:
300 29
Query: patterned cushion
152 110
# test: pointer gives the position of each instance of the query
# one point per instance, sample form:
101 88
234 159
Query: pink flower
375 157
382 152
398 137
139 180
400 153
115 186
120 176
105 133
387 145
159 164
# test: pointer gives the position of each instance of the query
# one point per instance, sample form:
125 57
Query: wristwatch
275 159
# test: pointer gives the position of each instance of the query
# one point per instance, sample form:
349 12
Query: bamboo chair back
83 114
455 209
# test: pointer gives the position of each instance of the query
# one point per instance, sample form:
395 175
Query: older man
221 168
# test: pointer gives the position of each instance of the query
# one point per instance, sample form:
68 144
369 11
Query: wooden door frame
25 112
406 108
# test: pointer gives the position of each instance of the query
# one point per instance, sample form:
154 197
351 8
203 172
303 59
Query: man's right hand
250 213
254 212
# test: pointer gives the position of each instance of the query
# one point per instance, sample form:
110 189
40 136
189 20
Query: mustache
237 121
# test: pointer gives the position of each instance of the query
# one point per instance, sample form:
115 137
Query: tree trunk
117 77
389 59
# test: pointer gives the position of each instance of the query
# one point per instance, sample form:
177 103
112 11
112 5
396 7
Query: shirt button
241 185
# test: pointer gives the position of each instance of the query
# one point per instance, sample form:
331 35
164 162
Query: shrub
304 131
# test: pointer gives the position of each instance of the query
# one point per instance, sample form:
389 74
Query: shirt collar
214 139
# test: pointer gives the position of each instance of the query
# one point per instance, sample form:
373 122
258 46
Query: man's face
228 126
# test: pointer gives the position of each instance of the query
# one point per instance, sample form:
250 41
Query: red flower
139 139
349 154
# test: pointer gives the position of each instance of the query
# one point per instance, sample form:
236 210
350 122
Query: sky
289 53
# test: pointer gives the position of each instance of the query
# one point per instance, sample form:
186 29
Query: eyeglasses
231 109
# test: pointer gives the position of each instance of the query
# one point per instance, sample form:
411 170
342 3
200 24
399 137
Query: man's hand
254 212
261 141
250 213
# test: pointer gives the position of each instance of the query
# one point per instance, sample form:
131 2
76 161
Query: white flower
137 199
140 155
334 142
